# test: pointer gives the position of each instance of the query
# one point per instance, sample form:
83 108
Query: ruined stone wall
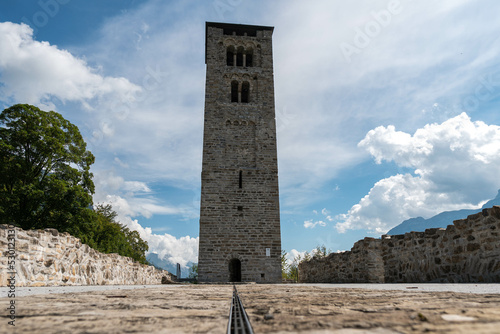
467 251
362 264
49 258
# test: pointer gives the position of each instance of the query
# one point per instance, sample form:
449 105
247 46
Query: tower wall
239 214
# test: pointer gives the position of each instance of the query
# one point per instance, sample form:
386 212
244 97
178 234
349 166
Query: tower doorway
235 270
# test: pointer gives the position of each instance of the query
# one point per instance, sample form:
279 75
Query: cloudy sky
386 110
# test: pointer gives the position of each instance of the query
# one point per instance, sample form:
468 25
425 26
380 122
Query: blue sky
386 110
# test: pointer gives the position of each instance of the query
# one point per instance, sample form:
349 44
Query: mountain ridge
442 219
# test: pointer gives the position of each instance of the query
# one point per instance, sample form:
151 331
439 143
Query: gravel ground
279 308
428 287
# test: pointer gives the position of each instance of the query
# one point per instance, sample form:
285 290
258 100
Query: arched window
234 91
249 58
245 92
230 56
239 56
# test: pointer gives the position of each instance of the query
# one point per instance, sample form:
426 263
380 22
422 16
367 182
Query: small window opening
240 208
234 91
245 92
230 56
239 57
262 275
249 58
241 179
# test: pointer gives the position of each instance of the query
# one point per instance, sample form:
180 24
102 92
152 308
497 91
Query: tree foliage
290 271
109 236
45 177
284 264
45 181
193 272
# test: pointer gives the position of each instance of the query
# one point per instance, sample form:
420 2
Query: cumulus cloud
293 255
132 198
175 250
34 72
455 166
127 199
311 224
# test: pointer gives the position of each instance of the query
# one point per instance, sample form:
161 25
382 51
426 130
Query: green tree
109 236
45 178
45 181
293 270
284 265
193 272
321 251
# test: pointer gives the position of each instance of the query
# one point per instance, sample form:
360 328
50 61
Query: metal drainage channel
238 319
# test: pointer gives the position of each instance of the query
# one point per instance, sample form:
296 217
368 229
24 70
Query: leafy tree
109 236
284 265
45 181
321 251
193 272
293 270
45 178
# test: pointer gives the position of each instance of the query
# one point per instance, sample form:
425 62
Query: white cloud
311 224
175 250
34 72
455 164
133 198
328 104
126 198
294 254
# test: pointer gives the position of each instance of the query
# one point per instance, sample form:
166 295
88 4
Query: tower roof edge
234 27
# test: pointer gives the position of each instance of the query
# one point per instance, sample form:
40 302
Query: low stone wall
362 264
49 258
467 251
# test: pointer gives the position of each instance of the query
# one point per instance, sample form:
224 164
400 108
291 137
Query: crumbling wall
467 251
362 264
49 258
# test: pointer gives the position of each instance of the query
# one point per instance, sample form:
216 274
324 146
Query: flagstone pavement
200 308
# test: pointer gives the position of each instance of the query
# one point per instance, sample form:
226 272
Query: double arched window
240 92
239 56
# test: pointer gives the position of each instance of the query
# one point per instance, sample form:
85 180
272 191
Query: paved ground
271 308
429 287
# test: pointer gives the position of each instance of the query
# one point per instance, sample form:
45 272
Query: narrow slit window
249 58
239 57
230 56
241 179
245 92
234 91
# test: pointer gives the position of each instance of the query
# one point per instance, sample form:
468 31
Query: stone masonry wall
240 238
49 258
467 251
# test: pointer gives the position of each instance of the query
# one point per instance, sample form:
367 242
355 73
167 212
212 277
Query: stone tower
240 237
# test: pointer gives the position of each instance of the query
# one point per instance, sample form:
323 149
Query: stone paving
271 308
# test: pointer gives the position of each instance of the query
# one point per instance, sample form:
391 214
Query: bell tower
240 237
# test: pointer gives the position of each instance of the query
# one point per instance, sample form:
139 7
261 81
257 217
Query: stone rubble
272 308
49 258
467 251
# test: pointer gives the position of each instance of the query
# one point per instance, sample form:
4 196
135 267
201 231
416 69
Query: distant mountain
166 265
443 219
163 264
